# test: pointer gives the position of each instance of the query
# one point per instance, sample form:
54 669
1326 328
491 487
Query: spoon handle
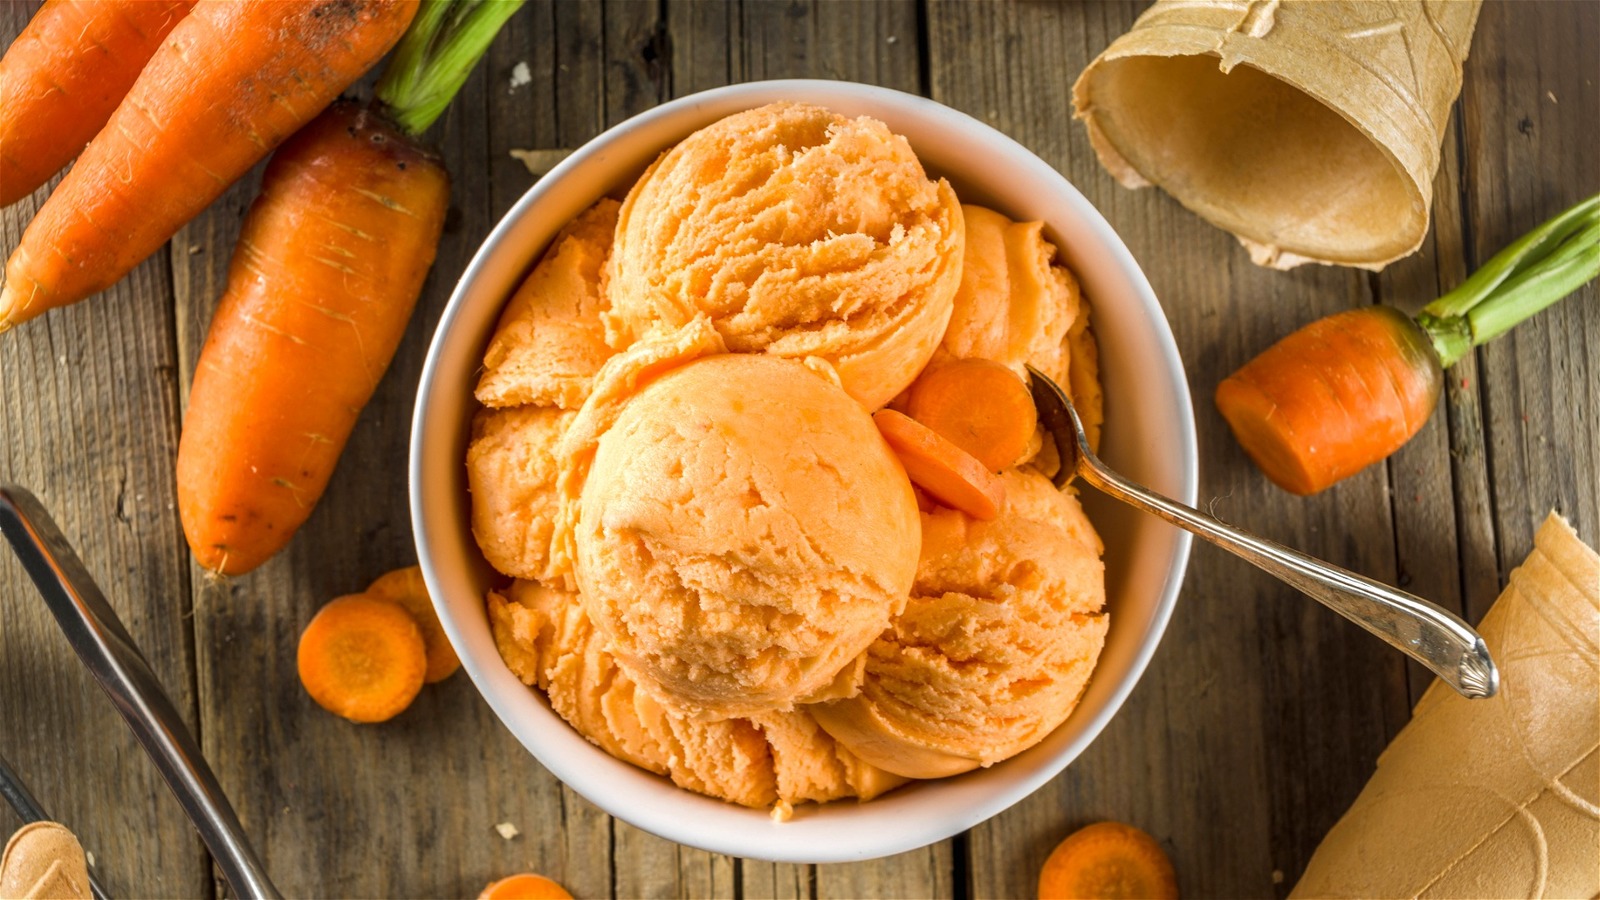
1423 631
96 633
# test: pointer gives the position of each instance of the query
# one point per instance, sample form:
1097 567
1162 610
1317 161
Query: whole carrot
329 264
231 82
62 77
1348 390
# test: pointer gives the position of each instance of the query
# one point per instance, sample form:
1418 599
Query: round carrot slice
525 886
1108 860
362 658
979 405
948 473
407 588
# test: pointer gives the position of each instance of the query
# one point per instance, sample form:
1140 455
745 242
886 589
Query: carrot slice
525 886
362 658
979 405
948 473
407 588
1108 860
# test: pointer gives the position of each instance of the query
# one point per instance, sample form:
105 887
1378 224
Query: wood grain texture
68 382
1257 722
1529 107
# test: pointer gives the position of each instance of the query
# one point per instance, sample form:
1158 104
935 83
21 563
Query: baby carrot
1108 860
946 472
1348 390
407 588
524 887
362 658
330 261
64 74
1331 398
979 405
231 82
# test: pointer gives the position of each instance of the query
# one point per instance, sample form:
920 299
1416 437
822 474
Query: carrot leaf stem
1537 270
1575 262
434 58
1519 256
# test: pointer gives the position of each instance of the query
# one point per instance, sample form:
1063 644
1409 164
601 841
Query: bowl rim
979 801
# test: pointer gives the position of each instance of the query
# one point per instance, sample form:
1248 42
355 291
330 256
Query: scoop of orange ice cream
550 340
511 473
742 535
547 640
801 233
1003 628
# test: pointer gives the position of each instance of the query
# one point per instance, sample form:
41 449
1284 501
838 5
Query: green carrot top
434 57
1535 271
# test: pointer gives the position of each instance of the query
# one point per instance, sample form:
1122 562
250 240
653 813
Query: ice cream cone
44 860
1310 129
1498 797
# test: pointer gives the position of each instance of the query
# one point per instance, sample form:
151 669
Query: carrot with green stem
330 261
1348 390
231 82
62 77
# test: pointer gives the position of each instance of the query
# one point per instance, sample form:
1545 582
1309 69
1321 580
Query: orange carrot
330 261
1348 390
64 75
1108 860
362 658
948 473
231 82
524 887
407 588
1333 397
979 405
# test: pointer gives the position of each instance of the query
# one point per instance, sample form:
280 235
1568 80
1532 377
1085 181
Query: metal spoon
95 632
1427 633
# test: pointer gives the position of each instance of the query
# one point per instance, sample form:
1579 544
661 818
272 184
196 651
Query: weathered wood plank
1262 710
1441 469
1529 132
88 398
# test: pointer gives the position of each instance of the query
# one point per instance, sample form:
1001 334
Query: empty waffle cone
1310 129
1496 797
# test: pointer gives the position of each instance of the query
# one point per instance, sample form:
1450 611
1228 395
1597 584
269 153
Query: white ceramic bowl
1149 435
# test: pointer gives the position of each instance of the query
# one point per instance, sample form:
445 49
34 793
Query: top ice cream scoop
800 233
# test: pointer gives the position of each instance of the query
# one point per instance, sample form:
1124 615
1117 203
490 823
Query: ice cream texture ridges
721 573
800 233
772 529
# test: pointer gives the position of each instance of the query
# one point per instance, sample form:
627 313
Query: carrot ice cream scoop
743 533
800 233
1004 625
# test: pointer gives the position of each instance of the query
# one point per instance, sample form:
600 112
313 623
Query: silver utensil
95 632
1423 631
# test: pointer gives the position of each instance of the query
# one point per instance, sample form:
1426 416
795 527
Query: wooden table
1254 728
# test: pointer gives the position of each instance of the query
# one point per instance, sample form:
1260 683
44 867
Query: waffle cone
1497 797
1310 129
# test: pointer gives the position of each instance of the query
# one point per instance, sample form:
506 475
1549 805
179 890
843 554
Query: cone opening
1257 157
